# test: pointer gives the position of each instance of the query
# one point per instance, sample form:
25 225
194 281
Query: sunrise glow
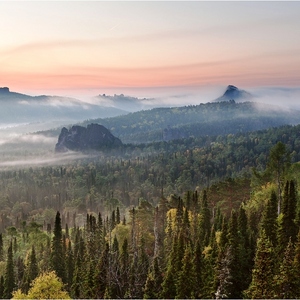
66 46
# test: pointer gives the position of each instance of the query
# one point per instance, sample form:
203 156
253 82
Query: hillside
198 120
21 108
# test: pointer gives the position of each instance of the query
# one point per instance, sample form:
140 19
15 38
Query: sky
144 48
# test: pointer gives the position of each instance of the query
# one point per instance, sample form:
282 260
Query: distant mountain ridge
234 93
28 109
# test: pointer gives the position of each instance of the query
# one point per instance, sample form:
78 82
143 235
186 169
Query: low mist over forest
162 202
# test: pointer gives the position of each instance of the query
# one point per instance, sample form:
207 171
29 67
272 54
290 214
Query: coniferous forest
202 217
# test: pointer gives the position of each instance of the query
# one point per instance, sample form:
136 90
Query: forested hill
198 120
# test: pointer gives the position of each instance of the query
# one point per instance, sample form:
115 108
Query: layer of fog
285 98
55 159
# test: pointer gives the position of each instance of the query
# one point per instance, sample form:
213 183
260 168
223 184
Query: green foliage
57 254
262 284
9 278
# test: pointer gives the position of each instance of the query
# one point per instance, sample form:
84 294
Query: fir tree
9 279
153 281
32 270
70 265
101 274
296 266
57 256
204 220
1 287
269 219
286 280
262 285
1 248
185 285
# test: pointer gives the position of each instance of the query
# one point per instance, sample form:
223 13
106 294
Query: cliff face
78 138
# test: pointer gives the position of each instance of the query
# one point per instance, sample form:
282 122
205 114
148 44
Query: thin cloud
28 138
51 160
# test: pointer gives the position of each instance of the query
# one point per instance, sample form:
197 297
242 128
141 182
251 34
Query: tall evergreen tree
70 265
269 219
9 279
1 287
57 256
204 220
296 266
185 284
101 274
31 272
262 284
153 281
278 163
1 248
286 280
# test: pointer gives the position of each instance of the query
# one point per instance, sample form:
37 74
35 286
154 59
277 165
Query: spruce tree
57 258
69 266
204 220
269 219
1 248
169 281
101 274
124 269
9 279
199 266
296 266
185 284
262 284
153 281
286 280
31 272
1 287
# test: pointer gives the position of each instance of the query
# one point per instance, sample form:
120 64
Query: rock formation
79 138
234 93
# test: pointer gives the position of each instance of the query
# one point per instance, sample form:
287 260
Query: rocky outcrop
79 138
234 93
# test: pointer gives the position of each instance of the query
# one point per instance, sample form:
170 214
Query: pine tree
57 256
1 248
142 269
262 285
185 284
246 249
169 281
228 275
32 271
101 274
124 269
204 220
70 265
286 284
1 287
278 163
269 219
199 265
9 279
296 266
153 281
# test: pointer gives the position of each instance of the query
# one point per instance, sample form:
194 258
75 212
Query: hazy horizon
148 49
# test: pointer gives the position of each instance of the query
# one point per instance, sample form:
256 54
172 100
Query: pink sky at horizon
76 47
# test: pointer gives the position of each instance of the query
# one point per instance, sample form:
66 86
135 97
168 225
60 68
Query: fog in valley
25 120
